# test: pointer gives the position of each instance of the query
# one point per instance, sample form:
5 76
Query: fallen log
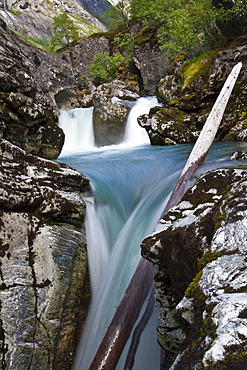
129 308
205 138
127 312
130 359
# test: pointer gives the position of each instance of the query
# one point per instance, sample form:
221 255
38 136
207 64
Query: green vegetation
14 11
65 31
179 24
193 69
105 67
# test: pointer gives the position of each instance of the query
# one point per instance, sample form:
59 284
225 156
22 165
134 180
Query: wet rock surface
112 102
43 259
199 253
188 99
29 79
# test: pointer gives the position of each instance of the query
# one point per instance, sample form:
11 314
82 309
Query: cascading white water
77 125
135 134
130 187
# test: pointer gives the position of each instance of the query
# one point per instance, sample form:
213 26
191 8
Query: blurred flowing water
130 187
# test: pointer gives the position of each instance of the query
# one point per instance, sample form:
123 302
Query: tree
185 24
180 24
65 31
118 14
104 67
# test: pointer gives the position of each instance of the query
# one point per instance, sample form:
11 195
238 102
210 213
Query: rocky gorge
198 248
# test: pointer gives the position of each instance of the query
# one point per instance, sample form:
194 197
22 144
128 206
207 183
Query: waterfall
135 134
77 125
130 188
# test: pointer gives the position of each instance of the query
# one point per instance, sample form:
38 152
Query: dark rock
233 27
29 80
199 254
192 99
43 258
169 125
111 108
152 64
81 55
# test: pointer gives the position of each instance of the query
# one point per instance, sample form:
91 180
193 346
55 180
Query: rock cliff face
35 17
43 259
199 254
30 82
188 94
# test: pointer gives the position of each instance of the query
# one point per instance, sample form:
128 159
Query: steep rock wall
35 17
199 254
30 79
189 94
43 260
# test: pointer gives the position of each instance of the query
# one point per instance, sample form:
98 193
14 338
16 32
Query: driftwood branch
205 138
124 319
129 308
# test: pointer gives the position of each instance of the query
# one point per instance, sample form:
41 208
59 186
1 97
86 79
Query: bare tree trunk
205 138
124 319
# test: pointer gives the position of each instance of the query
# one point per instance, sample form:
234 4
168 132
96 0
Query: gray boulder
199 253
112 102
188 95
43 259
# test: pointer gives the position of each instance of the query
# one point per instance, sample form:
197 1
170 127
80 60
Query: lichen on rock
199 253
43 258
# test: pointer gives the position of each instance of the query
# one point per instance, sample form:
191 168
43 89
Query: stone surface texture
187 100
199 253
35 17
43 259
112 102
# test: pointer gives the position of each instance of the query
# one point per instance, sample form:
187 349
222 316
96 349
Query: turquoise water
130 188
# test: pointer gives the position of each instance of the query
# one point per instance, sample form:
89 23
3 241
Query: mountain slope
35 17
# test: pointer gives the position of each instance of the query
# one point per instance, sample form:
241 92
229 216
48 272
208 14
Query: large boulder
43 260
199 253
30 81
112 103
188 93
151 63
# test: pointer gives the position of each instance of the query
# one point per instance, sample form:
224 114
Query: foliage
104 67
118 15
230 9
184 24
124 42
65 31
181 25
113 17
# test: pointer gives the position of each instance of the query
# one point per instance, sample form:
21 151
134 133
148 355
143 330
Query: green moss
230 136
191 70
144 35
14 11
208 328
208 257
193 289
